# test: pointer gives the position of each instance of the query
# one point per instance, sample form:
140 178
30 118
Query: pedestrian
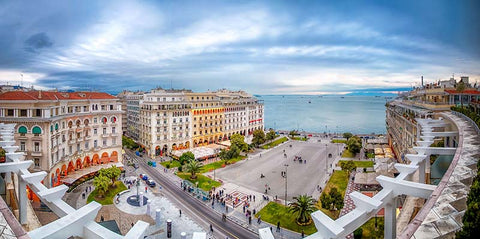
226 209
101 218
132 224
259 219
278 226
180 211
254 198
146 188
303 234
243 208
211 228
254 211
250 220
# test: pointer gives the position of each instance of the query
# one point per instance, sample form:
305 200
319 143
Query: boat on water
342 97
309 102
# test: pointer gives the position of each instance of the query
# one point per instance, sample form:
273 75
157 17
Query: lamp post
326 160
286 166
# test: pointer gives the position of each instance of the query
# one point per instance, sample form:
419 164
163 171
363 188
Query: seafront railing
467 119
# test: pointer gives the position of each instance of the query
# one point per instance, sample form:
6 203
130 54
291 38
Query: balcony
88 137
105 135
36 154
114 134
72 141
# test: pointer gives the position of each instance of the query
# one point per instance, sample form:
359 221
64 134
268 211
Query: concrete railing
467 119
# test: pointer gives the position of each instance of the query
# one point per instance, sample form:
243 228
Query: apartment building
133 110
180 119
63 132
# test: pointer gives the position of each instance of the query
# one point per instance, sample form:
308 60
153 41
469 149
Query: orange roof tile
53 95
465 92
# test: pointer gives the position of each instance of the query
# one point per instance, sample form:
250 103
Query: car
151 183
145 177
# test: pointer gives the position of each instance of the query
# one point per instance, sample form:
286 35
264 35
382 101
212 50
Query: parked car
145 177
151 183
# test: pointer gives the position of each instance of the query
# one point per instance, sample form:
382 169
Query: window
22 130
86 145
37 162
95 143
22 146
38 113
95 131
63 138
63 152
114 141
95 120
104 142
10 112
23 113
113 130
36 147
104 130
70 149
78 147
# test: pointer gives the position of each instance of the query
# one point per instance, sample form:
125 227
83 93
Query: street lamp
286 166
326 160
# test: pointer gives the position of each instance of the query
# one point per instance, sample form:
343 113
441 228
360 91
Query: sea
331 114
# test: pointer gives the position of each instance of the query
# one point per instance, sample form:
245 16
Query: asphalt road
230 229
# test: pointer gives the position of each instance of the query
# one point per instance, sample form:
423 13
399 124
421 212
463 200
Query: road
230 229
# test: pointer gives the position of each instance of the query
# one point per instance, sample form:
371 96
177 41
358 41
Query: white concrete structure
77 223
367 207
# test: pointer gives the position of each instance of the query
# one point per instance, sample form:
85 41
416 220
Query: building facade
132 114
63 132
180 119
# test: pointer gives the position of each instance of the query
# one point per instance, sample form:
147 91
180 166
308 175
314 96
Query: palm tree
461 88
193 167
303 206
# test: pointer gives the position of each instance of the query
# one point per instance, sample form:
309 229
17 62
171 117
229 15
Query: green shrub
168 166
179 168
357 234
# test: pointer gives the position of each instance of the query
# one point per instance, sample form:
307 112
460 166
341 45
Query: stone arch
70 124
187 144
86 122
164 149
104 120
195 143
158 151
174 146
70 168
114 156
36 129
78 164
113 119
78 122
22 129
216 139
104 158
96 159
86 162
180 146
64 170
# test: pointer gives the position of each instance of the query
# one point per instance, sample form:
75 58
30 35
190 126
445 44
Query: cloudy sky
278 47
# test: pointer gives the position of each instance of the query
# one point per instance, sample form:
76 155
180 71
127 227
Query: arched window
86 122
104 120
22 130
113 119
78 123
70 123
51 128
36 130
56 126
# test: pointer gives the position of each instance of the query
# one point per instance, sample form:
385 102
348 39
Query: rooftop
54 95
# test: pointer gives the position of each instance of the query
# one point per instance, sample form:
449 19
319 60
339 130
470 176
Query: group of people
87 189
300 160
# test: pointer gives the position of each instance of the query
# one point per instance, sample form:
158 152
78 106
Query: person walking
303 234
259 220
211 229
278 226
180 212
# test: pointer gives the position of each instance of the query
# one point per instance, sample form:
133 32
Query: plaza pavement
303 178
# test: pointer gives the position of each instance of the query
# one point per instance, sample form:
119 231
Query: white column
421 171
427 169
390 229
22 200
157 217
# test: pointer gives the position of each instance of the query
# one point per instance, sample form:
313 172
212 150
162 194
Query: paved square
303 178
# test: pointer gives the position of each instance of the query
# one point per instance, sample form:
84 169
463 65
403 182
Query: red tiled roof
465 92
52 95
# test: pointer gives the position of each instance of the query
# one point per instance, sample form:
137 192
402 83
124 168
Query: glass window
36 147
22 146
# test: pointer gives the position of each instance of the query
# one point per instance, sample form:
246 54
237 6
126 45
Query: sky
262 47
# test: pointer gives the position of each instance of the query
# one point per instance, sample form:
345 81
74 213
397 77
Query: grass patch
275 143
369 228
360 164
339 179
205 183
215 165
109 195
339 141
347 154
299 138
370 155
274 212
172 163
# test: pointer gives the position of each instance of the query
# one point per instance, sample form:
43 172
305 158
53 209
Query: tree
258 137
193 167
293 133
354 144
461 88
239 141
348 166
337 199
302 206
270 135
111 173
101 183
186 157
347 135
326 200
